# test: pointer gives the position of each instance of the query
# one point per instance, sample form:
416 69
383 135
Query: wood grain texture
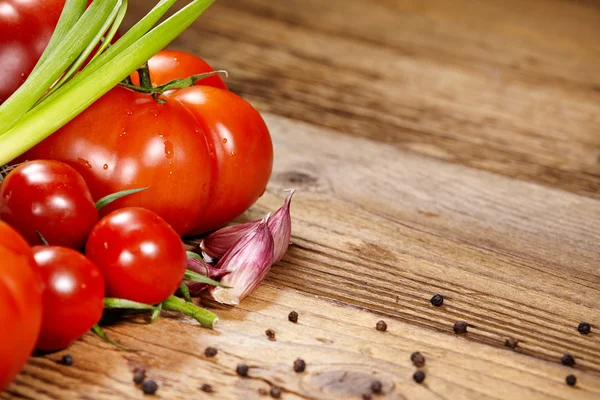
445 147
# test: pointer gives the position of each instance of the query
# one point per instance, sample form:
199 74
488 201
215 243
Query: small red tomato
49 197
20 304
141 256
73 298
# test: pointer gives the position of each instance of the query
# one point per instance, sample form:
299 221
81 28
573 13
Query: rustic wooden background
439 146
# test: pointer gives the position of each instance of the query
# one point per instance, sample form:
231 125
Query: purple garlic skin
205 269
248 262
280 225
218 243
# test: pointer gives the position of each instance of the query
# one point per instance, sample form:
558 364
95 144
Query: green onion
23 125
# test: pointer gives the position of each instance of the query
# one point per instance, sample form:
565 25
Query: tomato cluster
50 295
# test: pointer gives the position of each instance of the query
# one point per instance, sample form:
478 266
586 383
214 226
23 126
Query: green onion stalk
58 89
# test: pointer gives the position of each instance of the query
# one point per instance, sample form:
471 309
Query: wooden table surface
440 146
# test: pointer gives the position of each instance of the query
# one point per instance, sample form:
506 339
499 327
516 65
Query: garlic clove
249 261
280 225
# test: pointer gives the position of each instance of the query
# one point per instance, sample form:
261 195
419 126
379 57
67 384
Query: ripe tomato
25 30
168 65
50 197
141 256
206 153
73 299
20 304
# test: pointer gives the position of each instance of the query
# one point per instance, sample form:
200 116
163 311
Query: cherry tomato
141 256
25 30
168 65
20 304
50 197
73 299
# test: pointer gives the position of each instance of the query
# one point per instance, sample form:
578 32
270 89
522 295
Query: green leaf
106 200
196 277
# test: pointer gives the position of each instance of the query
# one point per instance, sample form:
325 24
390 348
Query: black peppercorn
437 300
149 387
419 376
293 317
299 365
275 392
511 343
381 326
139 374
571 380
270 334
584 328
66 360
567 360
242 370
460 327
417 359
376 387
210 352
206 388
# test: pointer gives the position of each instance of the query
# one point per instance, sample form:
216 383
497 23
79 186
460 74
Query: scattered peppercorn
275 392
210 352
270 334
376 387
206 388
139 374
511 343
571 380
66 360
417 359
149 387
584 328
381 326
293 317
567 360
437 300
419 376
460 327
299 365
242 370
367 396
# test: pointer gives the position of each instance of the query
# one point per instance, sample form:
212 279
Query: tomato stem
156 313
144 74
204 317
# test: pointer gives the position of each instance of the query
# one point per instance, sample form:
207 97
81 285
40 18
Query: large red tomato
25 30
20 304
206 154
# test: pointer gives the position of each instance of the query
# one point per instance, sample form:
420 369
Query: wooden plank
343 351
510 87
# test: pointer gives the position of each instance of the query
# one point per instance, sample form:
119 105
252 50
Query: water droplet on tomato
168 149
224 140
85 163
129 112
105 167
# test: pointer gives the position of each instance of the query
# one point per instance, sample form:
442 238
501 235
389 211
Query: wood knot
297 179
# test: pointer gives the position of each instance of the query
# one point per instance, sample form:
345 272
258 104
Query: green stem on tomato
205 317
106 200
42 238
18 132
112 303
156 313
144 74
